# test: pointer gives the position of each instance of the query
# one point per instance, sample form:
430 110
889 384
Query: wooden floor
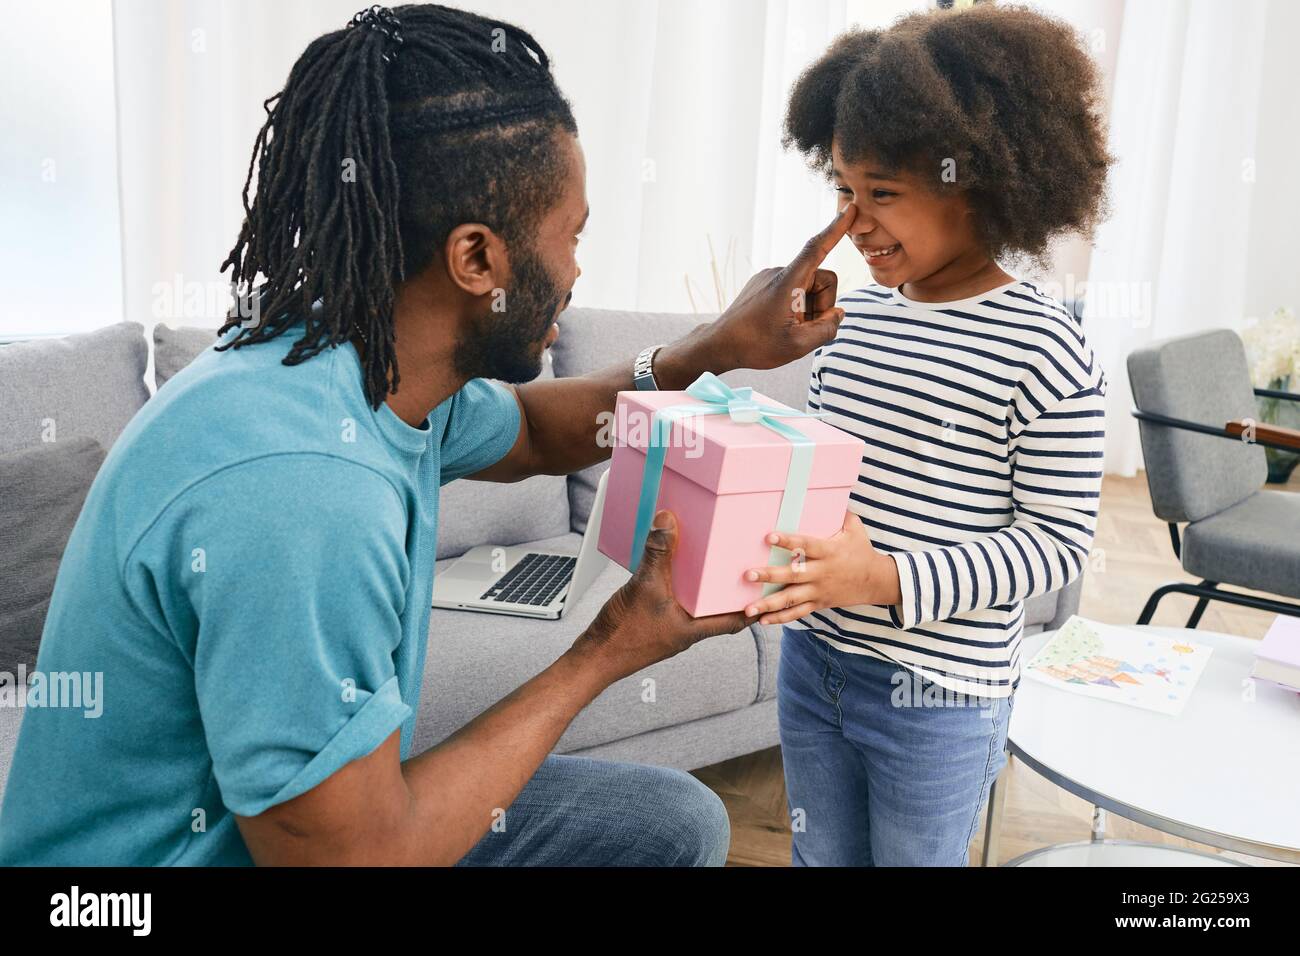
1131 558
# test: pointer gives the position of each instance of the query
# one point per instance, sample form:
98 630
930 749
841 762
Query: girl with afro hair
967 141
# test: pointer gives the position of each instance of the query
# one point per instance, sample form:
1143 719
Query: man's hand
783 314
839 571
642 623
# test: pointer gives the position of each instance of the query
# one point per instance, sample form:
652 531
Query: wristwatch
643 371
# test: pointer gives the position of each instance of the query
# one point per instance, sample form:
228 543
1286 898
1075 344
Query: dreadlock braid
371 155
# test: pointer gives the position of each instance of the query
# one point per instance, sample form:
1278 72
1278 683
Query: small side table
1118 853
1225 772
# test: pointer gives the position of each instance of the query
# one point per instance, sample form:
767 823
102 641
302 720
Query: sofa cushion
471 513
769 658
475 659
11 720
44 488
1041 609
173 349
592 339
87 384
698 743
1252 544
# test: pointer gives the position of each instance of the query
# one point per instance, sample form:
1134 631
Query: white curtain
1174 257
60 261
678 105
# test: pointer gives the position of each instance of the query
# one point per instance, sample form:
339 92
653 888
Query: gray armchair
1191 393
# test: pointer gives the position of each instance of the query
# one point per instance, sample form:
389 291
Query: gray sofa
711 703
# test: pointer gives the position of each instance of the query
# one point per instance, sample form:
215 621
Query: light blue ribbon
716 397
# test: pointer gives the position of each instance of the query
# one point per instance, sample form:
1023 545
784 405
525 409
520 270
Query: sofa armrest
1067 603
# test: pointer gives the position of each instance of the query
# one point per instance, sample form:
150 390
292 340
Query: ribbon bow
716 397
739 402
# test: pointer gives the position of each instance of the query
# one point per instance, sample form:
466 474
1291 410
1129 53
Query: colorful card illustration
1139 668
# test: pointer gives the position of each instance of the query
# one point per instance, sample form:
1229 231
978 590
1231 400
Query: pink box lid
732 457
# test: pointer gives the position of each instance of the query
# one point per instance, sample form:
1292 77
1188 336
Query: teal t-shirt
249 581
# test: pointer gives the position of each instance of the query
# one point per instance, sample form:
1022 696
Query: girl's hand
839 571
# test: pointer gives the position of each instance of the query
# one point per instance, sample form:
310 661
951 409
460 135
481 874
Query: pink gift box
724 480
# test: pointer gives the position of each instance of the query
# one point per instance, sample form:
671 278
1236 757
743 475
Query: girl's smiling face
910 232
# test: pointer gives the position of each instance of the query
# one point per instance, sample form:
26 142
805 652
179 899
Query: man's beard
504 346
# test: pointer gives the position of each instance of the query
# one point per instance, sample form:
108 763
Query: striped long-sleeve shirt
984 424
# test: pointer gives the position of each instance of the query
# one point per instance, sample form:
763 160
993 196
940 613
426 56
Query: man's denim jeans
581 812
873 782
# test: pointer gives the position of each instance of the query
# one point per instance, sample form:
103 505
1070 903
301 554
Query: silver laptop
521 581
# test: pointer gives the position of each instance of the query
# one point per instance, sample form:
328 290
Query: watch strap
643 369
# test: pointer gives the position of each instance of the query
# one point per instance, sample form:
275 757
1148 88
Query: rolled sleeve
482 425
380 716
909 613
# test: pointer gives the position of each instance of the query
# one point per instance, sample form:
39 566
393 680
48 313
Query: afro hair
1004 96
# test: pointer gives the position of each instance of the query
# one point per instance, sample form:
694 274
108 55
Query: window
61 268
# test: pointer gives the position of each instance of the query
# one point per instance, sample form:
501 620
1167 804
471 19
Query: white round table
1122 853
1225 772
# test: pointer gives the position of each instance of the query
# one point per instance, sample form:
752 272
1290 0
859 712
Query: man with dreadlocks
252 569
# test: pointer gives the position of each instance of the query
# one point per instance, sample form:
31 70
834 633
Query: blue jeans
874 775
581 812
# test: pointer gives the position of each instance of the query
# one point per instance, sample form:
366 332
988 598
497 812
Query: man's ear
476 259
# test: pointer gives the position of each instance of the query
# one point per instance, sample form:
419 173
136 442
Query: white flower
1273 348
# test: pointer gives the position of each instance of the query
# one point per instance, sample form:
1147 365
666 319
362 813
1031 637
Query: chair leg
1207 591
993 820
1098 829
1149 609
1201 605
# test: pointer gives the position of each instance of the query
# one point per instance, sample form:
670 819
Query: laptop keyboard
535 579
